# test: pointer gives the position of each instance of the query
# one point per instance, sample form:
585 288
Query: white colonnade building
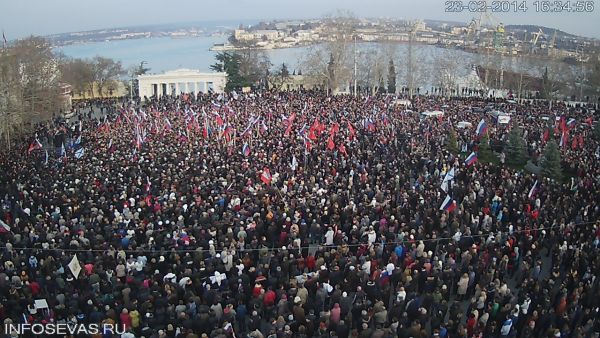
180 81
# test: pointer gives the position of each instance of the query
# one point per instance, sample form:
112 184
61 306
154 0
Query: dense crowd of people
301 214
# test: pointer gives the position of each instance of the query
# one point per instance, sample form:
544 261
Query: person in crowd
301 214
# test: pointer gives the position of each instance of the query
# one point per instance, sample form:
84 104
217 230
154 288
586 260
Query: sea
166 53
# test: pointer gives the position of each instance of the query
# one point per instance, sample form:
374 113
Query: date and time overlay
519 6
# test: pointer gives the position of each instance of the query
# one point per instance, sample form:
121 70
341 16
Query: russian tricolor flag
564 139
571 123
449 204
4 228
481 127
471 159
533 190
368 124
246 150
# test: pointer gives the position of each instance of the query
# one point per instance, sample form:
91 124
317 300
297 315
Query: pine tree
381 87
485 153
516 151
391 78
596 131
451 143
551 161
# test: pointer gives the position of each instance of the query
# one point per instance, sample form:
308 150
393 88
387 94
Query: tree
30 87
381 87
372 68
596 131
391 78
79 73
550 163
338 31
516 151
281 76
445 71
253 64
593 77
414 73
133 72
485 153
230 63
106 73
451 142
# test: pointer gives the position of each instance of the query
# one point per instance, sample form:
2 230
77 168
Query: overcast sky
20 18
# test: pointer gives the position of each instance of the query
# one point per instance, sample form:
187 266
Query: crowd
299 214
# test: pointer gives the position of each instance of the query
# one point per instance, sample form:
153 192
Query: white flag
294 164
79 153
75 267
449 177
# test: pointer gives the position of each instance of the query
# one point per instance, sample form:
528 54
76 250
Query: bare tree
280 77
446 71
79 73
332 61
106 73
524 83
556 78
29 85
412 71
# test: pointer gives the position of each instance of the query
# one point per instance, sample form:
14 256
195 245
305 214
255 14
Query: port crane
534 40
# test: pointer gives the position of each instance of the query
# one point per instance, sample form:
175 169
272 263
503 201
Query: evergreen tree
230 63
516 151
391 78
551 161
485 153
596 131
283 71
544 93
381 86
451 142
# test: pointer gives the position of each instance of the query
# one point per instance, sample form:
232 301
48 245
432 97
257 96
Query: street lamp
582 74
355 66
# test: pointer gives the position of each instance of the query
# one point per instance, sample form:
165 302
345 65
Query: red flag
546 136
589 121
574 143
351 131
265 177
205 131
342 149
535 214
334 129
290 123
330 144
307 145
219 120
563 123
34 145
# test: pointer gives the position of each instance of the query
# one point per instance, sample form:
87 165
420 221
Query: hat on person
297 300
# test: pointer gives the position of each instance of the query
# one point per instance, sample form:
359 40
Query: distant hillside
534 29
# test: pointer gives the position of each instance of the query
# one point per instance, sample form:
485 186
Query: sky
21 18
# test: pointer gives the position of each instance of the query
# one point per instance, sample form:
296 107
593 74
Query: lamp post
355 66
582 74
